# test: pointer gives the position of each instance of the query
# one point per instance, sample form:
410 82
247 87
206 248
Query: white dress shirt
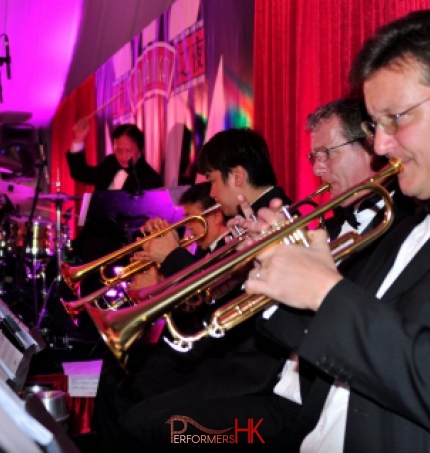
120 176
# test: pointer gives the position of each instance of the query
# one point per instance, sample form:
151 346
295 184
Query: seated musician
126 170
236 162
223 390
173 258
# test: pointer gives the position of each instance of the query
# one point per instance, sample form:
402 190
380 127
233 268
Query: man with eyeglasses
342 156
371 337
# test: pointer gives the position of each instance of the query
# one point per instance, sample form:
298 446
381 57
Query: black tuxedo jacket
377 347
101 176
242 362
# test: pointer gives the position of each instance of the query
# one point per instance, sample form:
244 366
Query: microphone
7 59
44 160
132 171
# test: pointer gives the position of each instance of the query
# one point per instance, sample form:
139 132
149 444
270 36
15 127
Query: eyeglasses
390 123
323 154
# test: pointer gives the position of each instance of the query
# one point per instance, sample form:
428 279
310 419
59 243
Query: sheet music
3 376
83 377
12 439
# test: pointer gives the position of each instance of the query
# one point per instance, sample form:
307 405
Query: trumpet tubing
120 329
73 308
74 275
310 198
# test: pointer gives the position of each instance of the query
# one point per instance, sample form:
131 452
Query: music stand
129 212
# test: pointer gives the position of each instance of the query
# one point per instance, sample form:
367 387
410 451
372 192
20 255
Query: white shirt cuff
76 147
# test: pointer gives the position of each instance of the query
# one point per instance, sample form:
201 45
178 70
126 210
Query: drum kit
28 244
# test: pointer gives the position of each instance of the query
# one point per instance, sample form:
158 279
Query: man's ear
240 175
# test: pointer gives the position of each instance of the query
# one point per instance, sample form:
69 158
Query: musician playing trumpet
166 252
369 340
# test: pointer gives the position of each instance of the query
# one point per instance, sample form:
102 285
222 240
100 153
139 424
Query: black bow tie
425 205
422 210
346 214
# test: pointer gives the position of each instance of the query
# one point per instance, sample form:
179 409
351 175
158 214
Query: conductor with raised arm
126 169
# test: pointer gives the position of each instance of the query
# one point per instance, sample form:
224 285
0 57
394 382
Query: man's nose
383 142
319 168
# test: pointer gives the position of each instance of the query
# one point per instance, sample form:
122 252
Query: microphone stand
132 171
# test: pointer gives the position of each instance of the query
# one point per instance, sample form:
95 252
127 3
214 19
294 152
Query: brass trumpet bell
74 275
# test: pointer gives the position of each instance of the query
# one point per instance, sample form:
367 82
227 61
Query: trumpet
120 329
73 308
74 275
309 200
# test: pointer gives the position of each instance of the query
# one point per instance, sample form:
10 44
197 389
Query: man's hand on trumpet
295 275
252 224
142 280
158 248
153 225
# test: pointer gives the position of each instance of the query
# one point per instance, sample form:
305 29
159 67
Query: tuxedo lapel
413 272
382 259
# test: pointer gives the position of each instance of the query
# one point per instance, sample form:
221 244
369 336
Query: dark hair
351 112
132 132
393 44
233 147
198 193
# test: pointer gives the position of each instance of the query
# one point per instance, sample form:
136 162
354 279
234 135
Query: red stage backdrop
197 68
186 76
302 54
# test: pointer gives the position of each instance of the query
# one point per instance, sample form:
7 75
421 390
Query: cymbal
9 165
58 196
39 220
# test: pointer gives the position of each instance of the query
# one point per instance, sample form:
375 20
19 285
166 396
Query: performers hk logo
179 425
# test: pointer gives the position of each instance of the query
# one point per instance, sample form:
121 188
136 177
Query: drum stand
58 199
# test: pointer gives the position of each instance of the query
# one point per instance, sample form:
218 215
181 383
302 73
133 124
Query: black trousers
180 421
152 372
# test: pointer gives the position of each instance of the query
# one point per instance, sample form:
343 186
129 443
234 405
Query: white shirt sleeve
76 147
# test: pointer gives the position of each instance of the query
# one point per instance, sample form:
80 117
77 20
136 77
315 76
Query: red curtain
78 104
302 55
80 409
